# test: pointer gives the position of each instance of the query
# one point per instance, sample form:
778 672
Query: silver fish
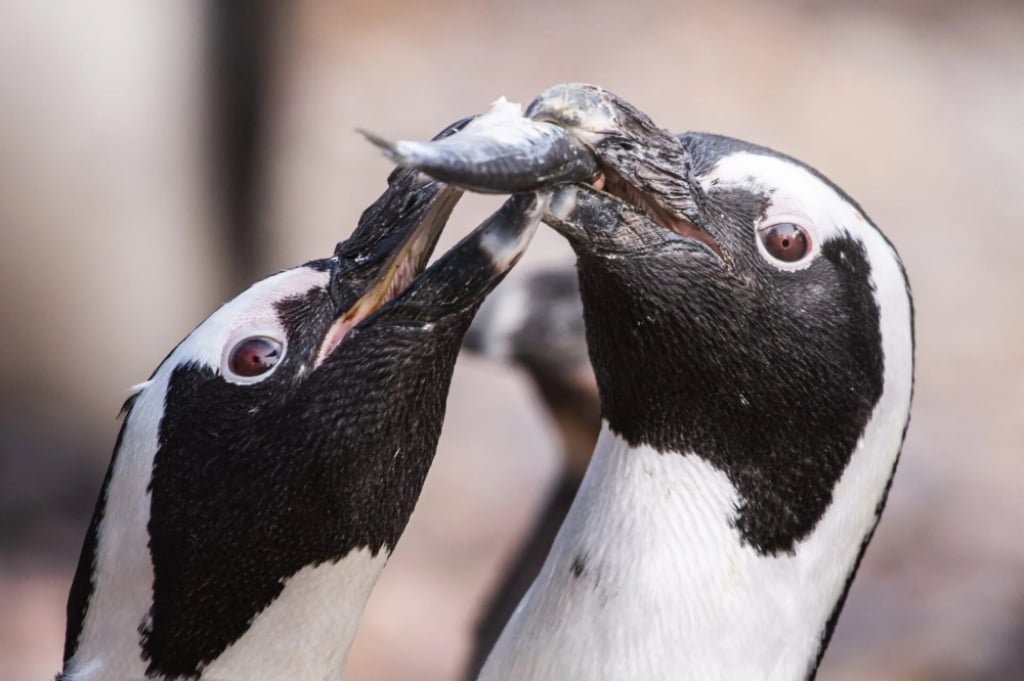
500 151
571 133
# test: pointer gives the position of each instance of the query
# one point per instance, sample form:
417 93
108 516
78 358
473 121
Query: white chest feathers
300 636
649 579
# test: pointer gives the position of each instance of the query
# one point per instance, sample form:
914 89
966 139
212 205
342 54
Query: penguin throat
614 184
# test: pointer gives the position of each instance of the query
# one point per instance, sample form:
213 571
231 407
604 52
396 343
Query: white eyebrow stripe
791 188
253 306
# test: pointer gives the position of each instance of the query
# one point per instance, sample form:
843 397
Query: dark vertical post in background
242 41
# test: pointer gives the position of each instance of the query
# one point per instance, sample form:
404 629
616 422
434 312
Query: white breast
109 647
305 634
666 588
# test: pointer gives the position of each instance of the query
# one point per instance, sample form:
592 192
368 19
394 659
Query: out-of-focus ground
109 255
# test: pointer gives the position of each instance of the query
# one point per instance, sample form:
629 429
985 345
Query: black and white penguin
265 471
535 323
751 331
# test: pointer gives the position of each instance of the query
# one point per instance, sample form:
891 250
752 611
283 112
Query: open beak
459 280
382 268
392 245
571 133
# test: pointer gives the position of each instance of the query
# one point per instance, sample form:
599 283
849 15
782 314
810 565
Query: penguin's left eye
254 357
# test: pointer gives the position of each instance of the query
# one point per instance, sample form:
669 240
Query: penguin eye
254 356
785 241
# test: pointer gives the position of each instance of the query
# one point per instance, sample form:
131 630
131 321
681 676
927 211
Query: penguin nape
265 471
751 331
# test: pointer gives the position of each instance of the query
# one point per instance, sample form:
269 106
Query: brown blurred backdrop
123 225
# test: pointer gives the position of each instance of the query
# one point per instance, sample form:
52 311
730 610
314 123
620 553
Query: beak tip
506 239
563 202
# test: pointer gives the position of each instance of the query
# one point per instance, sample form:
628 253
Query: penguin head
290 432
739 306
742 307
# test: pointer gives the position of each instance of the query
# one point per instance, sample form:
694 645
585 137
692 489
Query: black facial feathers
770 375
286 474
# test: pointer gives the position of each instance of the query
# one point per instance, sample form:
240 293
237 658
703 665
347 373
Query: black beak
593 221
390 246
380 268
458 282
395 236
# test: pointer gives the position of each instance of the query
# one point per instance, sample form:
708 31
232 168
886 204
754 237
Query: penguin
535 323
265 471
751 332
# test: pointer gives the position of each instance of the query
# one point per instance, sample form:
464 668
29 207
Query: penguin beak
572 133
618 194
392 245
385 259
459 281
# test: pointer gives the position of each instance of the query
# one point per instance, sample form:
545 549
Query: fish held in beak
572 133
390 247
499 152
381 271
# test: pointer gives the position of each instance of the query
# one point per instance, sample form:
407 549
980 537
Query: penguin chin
612 183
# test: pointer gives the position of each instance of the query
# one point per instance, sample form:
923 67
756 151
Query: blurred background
155 158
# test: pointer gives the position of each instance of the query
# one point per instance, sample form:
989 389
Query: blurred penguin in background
535 323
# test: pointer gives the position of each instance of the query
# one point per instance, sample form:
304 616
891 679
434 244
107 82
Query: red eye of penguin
254 356
785 241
